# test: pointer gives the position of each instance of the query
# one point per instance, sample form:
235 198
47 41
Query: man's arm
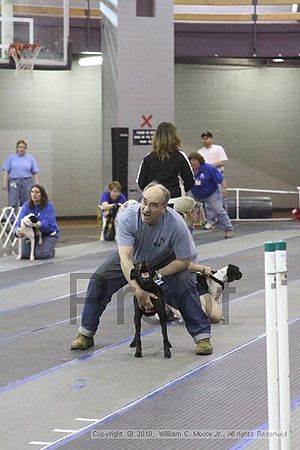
143 297
5 180
35 178
107 206
222 157
176 266
205 270
224 187
219 164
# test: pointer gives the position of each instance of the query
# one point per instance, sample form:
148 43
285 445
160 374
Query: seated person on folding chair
108 199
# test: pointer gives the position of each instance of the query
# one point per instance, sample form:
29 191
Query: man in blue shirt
156 233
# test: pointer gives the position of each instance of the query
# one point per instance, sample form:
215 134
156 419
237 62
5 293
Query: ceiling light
90 61
91 53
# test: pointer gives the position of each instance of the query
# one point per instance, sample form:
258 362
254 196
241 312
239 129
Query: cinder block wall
58 113
253 113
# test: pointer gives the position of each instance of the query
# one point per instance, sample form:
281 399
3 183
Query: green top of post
280 245
269 246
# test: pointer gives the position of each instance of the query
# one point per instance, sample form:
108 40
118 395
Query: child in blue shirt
112 196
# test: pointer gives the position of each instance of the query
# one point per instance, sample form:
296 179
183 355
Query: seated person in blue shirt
206 189
112 196
19 171
44 210
108 200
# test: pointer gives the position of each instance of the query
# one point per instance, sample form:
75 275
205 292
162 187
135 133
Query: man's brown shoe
204 347
82 342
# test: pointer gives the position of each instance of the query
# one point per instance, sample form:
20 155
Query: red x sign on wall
146 121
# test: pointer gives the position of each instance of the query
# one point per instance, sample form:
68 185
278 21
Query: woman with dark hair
44 211
167 164
19 170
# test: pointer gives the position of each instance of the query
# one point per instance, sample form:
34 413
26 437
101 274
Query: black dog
141 273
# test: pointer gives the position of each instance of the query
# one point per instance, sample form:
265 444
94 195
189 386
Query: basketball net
24 56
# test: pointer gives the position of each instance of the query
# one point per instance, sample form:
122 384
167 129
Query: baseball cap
184 205
207 134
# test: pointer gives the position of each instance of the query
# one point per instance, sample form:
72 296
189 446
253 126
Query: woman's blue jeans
180 291
44 250
18 191
214 209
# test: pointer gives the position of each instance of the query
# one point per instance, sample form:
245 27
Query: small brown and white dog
28 223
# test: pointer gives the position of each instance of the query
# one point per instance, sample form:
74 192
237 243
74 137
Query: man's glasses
151 205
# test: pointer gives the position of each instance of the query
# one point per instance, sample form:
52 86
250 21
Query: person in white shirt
215 155
212 153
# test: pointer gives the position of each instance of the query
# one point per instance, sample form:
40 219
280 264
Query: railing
8 220
260 191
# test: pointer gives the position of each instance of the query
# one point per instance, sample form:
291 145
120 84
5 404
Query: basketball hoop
24 55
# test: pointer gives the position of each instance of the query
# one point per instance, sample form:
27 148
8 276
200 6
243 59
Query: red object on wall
146 121
296 214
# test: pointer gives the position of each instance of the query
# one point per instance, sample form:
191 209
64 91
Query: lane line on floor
246 442
56 261
30 305
85 419
41 328
109 307
15 384
42 302
60 430
10 386
89 270
39 443
154 393
103 253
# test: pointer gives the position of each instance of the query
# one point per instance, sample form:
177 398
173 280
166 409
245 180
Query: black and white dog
213 285
123 208
28 223
144 277
211 288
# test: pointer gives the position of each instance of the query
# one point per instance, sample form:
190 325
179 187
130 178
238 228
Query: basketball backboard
31 21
